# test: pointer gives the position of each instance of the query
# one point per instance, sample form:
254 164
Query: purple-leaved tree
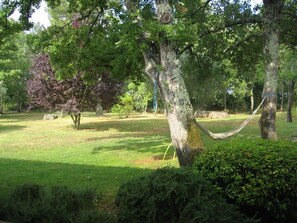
73 95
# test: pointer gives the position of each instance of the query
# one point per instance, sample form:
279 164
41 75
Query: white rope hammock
232 132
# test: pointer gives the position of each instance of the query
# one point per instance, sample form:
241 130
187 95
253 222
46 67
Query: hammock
232 132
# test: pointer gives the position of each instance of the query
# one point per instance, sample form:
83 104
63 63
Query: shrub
24 204
258 175
173 195
94 216
124 107
33 203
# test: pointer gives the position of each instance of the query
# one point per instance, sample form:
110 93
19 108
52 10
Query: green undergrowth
174 195
31 203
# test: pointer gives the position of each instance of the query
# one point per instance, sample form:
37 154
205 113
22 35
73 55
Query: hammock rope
232 132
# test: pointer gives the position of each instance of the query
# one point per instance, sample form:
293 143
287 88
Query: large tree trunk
291 87
184 133
271 18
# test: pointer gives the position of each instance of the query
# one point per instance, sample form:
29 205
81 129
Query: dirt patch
146 161
160 157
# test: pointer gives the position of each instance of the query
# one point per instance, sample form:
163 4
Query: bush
94 216
258 175
24 204
124 107
32 203
173 195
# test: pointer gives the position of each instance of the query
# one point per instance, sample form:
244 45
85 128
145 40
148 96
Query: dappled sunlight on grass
104 142
106 152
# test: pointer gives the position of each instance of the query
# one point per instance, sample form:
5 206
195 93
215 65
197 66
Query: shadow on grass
105 179
130 125
21 117
6 128
148 144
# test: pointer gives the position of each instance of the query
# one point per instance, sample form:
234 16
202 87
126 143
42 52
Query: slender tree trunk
20 105
291 87
18 102
184 133
78 116
76 119
252 101
282 97
271 18
225 100
1 107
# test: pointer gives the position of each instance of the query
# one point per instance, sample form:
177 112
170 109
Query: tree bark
291 87
271 19
184 133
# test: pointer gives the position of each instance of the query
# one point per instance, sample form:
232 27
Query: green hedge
173 195
32 203
258 175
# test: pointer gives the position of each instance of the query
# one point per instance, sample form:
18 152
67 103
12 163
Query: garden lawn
106 152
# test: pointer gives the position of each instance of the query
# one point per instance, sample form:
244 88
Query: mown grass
106 152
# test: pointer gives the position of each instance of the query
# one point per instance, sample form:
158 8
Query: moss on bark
194 140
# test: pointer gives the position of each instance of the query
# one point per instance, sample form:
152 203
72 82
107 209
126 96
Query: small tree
135 98
73 95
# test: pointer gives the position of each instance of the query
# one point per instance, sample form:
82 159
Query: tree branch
229 25
217 29
248 38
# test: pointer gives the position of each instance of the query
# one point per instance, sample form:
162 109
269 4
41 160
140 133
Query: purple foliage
72 95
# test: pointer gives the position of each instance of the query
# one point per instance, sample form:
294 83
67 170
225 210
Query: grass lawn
106 152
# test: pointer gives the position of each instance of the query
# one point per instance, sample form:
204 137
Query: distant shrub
258 175
173 195
33 203
124 107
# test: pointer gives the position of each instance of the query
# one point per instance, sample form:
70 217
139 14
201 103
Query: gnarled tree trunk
271 18
75 116
184 133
